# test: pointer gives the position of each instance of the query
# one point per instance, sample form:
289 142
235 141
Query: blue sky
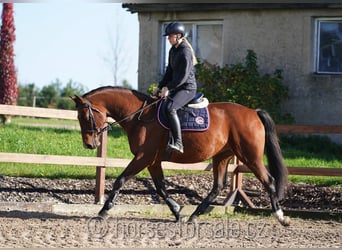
71 41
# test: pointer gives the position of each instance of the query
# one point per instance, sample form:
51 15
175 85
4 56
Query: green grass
312 151
43 140
32 120
55 141
297 151
16 138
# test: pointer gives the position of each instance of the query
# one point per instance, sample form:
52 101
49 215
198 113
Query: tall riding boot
175 128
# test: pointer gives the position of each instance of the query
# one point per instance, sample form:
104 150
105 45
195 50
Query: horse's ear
77 99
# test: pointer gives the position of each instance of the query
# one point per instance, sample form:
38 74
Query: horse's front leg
131 170
157 175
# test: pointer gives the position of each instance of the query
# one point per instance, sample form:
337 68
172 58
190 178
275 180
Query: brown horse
234 130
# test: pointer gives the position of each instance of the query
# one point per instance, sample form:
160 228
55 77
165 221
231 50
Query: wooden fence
101 161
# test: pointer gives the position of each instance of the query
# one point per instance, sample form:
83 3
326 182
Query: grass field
19 138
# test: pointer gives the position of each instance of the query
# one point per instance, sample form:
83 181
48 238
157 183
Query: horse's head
92 121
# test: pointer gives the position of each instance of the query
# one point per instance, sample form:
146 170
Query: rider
178 83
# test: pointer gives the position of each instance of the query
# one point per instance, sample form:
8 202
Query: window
329 45
205 38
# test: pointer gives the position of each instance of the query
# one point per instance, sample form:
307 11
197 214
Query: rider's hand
156 92
164 92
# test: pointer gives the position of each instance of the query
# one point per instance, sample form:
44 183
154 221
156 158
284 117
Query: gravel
185 189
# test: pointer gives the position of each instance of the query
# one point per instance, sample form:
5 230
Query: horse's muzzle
90 146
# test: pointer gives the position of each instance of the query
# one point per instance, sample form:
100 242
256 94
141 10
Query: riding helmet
174 28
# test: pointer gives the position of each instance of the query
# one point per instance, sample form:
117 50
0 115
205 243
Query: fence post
236 193
101 170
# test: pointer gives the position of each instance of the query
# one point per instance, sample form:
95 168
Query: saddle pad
191 119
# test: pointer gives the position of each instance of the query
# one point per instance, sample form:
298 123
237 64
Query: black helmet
174 28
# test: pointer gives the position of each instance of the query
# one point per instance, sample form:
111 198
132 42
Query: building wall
282 39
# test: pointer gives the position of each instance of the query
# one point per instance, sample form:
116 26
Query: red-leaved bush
8 77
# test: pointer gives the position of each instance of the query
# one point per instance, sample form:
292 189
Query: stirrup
178 148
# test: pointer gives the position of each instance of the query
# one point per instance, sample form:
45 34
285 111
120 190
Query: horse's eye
84 117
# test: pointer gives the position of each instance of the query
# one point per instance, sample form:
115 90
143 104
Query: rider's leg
175 128
176 100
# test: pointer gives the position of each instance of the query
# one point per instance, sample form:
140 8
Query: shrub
243 84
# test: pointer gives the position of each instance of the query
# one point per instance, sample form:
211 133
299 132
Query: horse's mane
104 88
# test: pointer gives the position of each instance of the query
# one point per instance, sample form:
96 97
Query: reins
145 106
109 125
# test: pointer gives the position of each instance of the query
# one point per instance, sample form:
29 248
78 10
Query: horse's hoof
192 219
181 219
286 221
103 213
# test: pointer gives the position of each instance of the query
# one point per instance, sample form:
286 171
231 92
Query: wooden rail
236 191
101 161
38 112
309 129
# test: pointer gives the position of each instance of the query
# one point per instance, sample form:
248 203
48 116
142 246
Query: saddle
194 116
199 101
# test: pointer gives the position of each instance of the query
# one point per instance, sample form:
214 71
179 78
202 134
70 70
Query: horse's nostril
89 146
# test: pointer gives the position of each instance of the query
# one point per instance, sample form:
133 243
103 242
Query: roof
230 5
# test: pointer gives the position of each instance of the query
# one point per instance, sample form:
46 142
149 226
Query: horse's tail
276 164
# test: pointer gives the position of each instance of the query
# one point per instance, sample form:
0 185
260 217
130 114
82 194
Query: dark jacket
180 72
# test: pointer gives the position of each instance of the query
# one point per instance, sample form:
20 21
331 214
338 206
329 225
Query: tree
27 95
8 77
53 95
47 97
119 55
71 88
126 84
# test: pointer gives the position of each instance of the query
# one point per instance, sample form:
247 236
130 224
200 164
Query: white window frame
318 22
165 47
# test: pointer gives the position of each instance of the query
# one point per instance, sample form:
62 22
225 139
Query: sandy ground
45 228
40 229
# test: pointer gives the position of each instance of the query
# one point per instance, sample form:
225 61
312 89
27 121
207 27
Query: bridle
94 128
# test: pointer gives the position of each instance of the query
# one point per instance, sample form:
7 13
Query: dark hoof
192 219
181 219
103 213
177 216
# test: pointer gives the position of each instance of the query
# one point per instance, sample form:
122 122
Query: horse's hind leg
158 179
269 184
220 164
276 208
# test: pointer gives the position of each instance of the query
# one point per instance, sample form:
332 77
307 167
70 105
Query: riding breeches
179 99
